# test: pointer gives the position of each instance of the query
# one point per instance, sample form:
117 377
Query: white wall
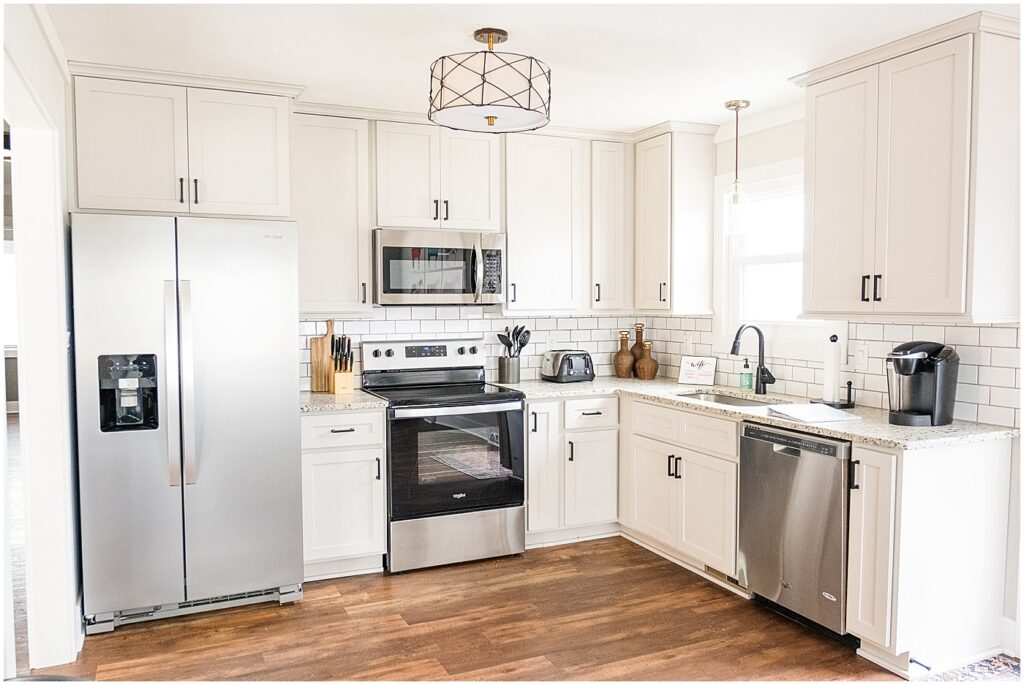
766 146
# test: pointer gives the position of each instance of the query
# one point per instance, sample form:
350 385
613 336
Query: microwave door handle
478 275
497 407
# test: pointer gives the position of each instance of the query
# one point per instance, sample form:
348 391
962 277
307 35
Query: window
759 274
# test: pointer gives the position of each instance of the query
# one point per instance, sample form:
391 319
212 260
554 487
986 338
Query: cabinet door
839 184
611 222
343 507
408 175
870 561
238 153
924 135
654 489
132 145
330 175
591 477
544 466
470 181
706 514
654 223
546 251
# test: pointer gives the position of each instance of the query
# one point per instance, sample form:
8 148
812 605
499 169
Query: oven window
447 464
427 270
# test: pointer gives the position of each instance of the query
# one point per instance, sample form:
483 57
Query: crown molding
675 127
173 78
52 39
762 121
987 22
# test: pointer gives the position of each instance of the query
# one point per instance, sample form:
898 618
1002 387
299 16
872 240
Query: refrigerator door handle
171 375
188 390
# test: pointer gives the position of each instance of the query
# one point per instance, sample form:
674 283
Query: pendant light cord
736 155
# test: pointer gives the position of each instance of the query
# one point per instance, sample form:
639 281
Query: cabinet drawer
708 434
592 413
654 421
343 430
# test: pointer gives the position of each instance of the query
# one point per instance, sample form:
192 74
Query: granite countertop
316 402
873 427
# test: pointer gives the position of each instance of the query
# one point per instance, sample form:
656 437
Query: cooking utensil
524 339
506 341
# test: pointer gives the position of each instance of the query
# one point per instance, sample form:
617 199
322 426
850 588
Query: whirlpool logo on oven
458 495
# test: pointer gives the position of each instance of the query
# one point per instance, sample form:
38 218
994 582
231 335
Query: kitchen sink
723 399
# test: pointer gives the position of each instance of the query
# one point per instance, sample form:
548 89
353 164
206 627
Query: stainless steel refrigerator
188 428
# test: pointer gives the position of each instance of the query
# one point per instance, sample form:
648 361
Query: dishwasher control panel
789 440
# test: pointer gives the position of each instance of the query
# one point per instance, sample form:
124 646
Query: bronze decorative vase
647 366
623 360
638 347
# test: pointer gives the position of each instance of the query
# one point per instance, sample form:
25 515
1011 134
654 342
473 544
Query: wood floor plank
597 610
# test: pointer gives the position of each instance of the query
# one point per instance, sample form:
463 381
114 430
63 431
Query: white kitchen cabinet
706 509
912 195
652 500
330 176
343 504
870 560
544 466
132 145
546 247
611 225
654 223
591 477
841 129
924 139
238 153
432 177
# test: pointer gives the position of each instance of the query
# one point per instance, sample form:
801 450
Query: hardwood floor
599 610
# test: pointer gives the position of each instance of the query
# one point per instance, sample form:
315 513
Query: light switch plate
687 344
858 351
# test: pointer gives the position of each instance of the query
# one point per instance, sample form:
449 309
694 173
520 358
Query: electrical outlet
687 345
859 354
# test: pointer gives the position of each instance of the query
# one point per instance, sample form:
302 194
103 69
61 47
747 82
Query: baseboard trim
636 538
564 536
1010 637
342 568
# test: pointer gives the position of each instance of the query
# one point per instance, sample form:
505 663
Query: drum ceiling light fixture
488 91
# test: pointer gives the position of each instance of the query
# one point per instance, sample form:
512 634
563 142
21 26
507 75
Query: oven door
437 267
455 459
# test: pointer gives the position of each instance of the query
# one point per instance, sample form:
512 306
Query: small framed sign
697 370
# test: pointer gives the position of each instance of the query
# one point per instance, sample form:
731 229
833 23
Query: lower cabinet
344 504
653 496
571 476
706 510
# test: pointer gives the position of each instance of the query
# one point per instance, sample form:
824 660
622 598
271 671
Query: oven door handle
416 412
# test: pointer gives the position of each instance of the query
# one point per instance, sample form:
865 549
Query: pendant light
488 91
735 194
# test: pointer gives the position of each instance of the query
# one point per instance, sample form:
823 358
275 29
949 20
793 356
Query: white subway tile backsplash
962 335
1001 416
982 356
898 334
999 337
1005 356
996 375
1005 397
928 333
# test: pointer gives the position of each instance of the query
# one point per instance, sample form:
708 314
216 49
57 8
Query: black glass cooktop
456 394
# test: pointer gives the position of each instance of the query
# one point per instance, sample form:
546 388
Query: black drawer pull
679 475
378 468
534 429
195 184
181 191
572 451
878 280
864 288
598 299
446 210
343 430
436 205
592 413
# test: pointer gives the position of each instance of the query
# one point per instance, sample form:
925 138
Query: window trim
801 340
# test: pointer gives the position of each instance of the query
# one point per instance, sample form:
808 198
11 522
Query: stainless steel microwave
437 267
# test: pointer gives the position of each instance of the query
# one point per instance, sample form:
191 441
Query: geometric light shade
490 92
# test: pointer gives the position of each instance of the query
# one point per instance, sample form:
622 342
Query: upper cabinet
546 247
330 171
911 185
149 147
611 225
433 177
674 203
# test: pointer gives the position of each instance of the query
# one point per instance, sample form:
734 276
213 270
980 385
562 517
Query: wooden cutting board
321 366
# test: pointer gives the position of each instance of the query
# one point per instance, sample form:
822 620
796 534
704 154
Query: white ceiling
614 67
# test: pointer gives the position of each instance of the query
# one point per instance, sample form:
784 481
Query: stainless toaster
567 366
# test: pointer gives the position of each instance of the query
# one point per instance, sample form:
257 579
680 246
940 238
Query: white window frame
802 340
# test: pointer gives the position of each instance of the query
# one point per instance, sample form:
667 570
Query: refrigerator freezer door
240 388
129 480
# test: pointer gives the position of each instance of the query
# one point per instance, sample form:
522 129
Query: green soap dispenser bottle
746 377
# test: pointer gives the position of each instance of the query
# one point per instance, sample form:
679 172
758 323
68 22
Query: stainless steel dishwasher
793 510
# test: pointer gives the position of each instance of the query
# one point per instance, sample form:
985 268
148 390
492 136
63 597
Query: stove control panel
403 355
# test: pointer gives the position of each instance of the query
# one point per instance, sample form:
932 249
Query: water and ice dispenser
128 392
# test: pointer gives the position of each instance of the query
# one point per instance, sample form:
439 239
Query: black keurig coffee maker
922 383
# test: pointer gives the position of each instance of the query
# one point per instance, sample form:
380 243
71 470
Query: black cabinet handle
572 451
661 298
364 292
679 476
436 209
534 415
181 190
446 210
343 430
864 288
878 279
195 195
598 298
852 477
378 468
513 291
591 413
671 461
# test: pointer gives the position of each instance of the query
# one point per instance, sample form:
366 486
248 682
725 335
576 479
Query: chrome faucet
763 377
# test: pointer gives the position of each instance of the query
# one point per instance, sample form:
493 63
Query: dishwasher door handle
788 451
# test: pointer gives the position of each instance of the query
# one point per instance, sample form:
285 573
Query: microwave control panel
492 272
